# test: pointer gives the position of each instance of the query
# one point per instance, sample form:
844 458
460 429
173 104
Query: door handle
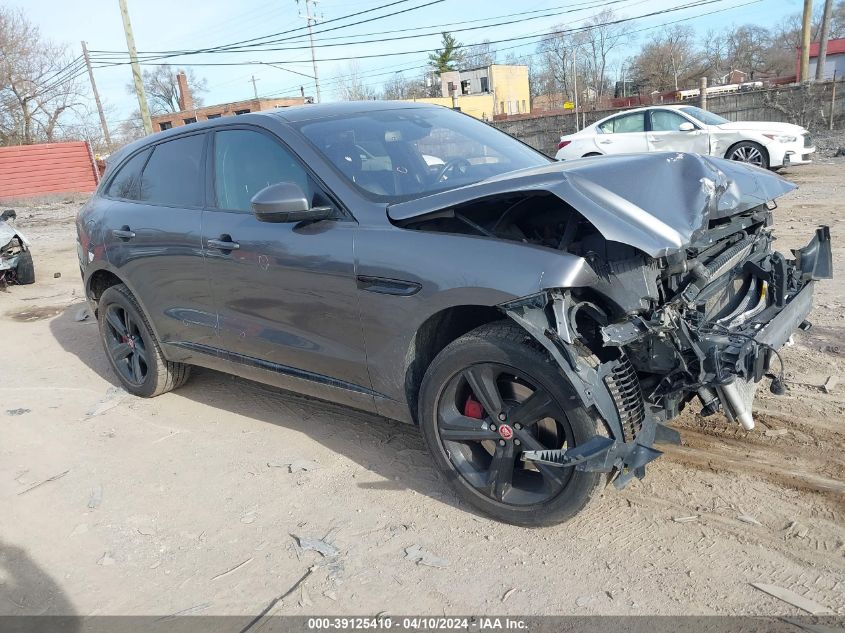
654 139
123 233
607 142
225 243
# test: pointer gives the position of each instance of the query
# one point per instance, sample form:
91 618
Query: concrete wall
803 105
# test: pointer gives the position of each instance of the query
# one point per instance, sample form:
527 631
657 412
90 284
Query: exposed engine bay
659 326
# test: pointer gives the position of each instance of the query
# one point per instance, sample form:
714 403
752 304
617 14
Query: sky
166 25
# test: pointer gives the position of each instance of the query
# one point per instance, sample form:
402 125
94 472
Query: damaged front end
705 322
689 298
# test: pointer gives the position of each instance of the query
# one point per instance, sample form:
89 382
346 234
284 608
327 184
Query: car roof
296 114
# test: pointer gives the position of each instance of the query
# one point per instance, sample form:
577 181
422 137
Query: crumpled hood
7 232
656 202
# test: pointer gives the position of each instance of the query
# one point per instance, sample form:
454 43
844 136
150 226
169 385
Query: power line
648 28
552 34
223 47
603 3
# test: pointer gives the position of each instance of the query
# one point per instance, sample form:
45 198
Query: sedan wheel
751 153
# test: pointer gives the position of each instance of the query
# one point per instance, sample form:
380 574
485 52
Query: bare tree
351 85
38 82
669 60
478 55
400 88
162 88
597 42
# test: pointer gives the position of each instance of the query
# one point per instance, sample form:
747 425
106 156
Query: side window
173 176
246 161
126 182
666 121
624 123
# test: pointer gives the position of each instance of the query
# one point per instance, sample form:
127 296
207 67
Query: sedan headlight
781 138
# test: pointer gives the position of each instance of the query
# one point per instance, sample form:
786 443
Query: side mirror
286 202
686 126
8 214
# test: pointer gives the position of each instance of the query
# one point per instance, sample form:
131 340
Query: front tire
131 346
749 152
490 395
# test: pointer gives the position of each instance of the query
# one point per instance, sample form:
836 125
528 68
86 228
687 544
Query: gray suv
540 322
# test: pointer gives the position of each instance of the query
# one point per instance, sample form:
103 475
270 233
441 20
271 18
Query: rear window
625 123
173 175
125 183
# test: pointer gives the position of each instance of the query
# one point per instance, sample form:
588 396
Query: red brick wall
30 170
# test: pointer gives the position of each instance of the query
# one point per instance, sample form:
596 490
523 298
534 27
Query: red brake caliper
473 409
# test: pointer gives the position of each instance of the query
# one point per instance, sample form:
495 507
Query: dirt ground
189 503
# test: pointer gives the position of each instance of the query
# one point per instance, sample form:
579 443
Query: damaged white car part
679 293
16 265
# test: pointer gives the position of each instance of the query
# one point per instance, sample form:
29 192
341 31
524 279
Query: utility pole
806 36
103 124
309 4
823 37
702 93
136 70
575 88
254 87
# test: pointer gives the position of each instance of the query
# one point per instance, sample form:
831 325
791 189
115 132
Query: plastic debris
790 597
326 550
422 556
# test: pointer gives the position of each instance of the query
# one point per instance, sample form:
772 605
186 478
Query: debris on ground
41 483
796 529
422 556
688 519
106 560
56 275
296 465
233 569
112 398
96 497
17 411
82 314
326 550
747 518
775 432
508 593
830 384
790 597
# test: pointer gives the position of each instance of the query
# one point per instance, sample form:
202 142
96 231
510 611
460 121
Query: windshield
395 155
708 118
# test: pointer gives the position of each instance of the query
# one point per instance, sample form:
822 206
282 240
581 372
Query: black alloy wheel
488 415
488 397
125 345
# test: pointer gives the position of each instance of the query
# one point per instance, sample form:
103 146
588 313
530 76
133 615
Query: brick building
190 114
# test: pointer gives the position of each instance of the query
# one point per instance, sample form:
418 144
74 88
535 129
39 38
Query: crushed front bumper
731 359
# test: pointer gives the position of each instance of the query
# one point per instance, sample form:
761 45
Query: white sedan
684 128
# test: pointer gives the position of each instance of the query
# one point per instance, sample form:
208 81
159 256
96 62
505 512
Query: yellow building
485 92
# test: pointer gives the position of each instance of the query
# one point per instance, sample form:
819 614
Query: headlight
781 138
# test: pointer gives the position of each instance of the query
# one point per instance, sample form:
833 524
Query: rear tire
481 461
25 272
132 348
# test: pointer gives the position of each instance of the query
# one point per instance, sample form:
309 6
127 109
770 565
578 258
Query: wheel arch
104 278
433 335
